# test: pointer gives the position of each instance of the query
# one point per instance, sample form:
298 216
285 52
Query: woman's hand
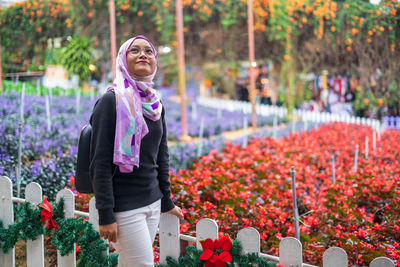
109 232
177 212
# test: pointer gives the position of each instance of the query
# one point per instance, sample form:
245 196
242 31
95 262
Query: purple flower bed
47 157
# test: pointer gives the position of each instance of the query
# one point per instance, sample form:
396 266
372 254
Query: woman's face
141 58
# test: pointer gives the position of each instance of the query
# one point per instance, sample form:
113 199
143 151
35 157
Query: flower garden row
251 186
49 157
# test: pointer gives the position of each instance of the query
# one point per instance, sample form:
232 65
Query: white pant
136 233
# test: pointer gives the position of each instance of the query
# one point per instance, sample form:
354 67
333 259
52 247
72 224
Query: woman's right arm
102 149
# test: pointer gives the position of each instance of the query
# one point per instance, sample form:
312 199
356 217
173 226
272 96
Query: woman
130 162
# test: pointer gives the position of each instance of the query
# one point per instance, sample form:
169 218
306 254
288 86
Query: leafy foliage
72 230
76 57
192 258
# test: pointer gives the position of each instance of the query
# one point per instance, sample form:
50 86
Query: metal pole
113 38
21 122
356 159
244 130
252 61
181 66
201 134
296 211
333 170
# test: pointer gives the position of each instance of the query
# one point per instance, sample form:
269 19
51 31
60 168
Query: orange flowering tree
304 35
25 28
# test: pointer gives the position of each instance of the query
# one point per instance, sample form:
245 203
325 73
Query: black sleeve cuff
166 204
106 216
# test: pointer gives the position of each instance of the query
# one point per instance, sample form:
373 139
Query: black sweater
116 191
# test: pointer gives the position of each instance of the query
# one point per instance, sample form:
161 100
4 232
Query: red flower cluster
47 214
251 186
216 253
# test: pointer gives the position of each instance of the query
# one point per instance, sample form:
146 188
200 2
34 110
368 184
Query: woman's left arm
163 169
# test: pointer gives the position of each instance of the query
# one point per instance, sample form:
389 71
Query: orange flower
354 31
348 48
392 46
304 20
393 12
175 43
370 33
165 4
286 57
390 28
219 50
185 29
349 41
361 21
207 83
152 7
369 40
140 13
356 17
366 101
374 30
382 29
90 14
380 101
378 12
333 28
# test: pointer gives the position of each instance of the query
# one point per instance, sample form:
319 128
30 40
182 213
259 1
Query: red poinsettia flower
216 253
47 214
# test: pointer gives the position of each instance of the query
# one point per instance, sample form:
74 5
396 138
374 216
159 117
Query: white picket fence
305 116
290 249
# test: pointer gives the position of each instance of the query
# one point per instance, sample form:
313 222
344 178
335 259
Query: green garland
70 231
192 258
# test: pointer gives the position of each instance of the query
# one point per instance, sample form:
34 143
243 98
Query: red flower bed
251 186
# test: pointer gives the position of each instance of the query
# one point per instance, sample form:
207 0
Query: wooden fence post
169 237
7 217
69 206
206 228
93 214
250 239
94 217
335 257
290 252
34 248
382 262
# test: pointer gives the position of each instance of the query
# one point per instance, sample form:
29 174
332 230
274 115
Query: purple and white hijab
135 98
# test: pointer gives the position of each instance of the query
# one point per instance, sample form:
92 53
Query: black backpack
83 181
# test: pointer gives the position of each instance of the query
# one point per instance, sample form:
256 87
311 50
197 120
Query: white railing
242 106
306 116
391 122
290 249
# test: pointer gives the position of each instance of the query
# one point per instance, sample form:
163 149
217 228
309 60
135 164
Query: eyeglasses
137 51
